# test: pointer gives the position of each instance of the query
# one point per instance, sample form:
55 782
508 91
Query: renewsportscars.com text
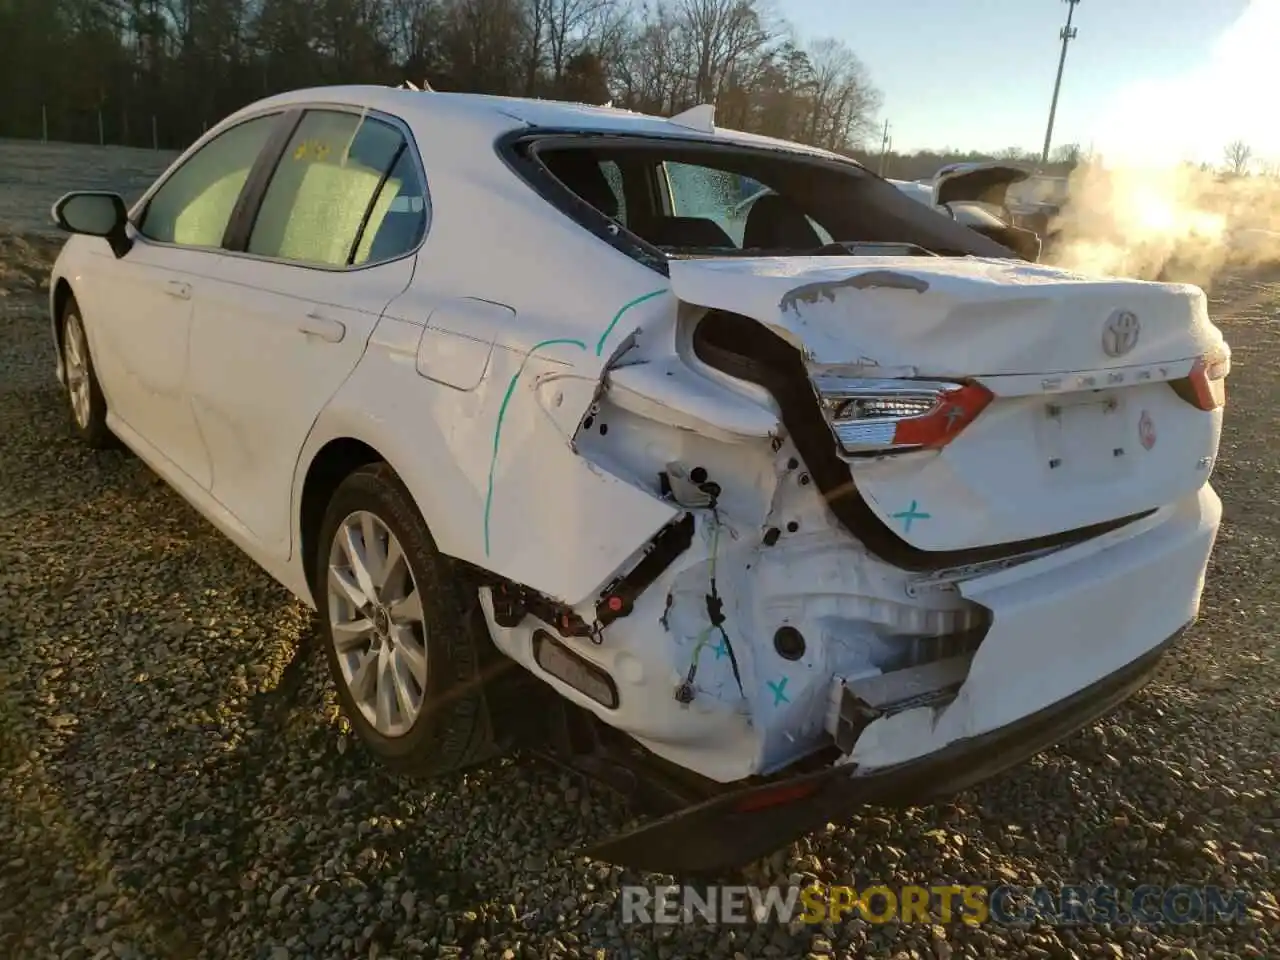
942 903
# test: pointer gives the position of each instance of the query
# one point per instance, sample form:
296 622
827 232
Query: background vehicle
977 195
781 522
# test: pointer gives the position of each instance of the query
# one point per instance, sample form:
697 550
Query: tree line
157 72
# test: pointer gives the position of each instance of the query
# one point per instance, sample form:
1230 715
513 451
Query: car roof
483 110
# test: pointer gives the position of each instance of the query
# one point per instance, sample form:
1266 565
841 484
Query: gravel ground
175 781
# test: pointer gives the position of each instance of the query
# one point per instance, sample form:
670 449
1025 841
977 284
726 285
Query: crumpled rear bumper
737 828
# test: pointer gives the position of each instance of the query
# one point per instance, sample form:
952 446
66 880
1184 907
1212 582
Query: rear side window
193 206
707 194
724 197
398 215
613 176
346 191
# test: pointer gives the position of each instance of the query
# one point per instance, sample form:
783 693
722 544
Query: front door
138 322
140 327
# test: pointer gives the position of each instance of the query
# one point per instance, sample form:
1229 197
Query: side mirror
95 214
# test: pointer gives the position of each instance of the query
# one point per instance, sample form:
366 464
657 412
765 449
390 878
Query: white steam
1155 200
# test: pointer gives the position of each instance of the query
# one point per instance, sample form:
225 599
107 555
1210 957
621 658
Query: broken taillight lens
1205 387
876 417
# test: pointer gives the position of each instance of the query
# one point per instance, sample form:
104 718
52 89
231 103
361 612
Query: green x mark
910 514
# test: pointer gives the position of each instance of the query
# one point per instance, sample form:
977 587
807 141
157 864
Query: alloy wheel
76 353
377 624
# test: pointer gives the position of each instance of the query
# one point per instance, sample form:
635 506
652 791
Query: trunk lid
986 182
1083 427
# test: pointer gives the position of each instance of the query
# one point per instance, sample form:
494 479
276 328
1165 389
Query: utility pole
1067 33
884 144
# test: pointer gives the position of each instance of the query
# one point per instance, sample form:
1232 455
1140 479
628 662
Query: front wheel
84 394
405 642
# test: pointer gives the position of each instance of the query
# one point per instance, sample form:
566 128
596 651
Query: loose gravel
175 781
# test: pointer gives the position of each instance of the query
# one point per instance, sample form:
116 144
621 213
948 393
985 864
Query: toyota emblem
1120 333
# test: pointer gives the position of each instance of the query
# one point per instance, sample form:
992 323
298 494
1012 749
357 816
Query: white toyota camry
767 512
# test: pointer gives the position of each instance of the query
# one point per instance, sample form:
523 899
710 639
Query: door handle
327 329
176 288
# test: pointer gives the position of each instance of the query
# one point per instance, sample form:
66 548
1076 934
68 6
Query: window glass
823 233
709 194
398 216
329 177
719 195
613 175
194 206
745 210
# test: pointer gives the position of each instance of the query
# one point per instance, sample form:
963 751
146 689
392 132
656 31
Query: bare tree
414 28
1069 154
843 100
721 34
536 30
1239 155
566 22
1016 155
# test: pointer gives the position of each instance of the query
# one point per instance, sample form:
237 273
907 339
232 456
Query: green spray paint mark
779 690
618 316
511 389
502 412
910 514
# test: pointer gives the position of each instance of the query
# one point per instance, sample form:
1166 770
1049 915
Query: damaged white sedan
762 512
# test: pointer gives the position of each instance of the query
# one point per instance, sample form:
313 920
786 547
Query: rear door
295 302
139 307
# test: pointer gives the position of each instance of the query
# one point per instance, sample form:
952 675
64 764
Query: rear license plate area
1083 436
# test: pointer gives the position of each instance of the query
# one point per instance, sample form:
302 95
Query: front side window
194 205
346 191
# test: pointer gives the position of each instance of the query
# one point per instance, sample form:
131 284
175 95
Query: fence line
105 128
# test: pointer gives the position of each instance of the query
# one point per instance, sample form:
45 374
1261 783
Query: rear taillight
1205 387
875 417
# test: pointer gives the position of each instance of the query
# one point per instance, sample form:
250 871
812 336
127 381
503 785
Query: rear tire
411 663
85 402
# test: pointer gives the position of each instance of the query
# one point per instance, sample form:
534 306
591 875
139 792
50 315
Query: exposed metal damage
754 606
811 293
832 587
789 607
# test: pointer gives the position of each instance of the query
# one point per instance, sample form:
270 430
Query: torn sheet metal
812 293
665 391
949 316
1060 624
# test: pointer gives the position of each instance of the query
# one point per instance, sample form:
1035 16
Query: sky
1150 77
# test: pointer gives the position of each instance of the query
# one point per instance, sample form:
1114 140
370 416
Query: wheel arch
332 463
60 295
